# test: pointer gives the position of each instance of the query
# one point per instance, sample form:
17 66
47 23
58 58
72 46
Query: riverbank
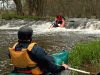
86 55
10 16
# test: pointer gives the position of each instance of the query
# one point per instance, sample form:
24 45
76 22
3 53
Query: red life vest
56 22
59 17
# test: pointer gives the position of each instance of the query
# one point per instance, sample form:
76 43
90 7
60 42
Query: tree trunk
39 8
18 7
30 3
31 6
42 4
45 8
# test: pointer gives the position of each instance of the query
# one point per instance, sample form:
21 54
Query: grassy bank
8 16
85 53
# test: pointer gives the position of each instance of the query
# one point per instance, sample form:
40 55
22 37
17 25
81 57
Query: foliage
85 53
81 8
5 16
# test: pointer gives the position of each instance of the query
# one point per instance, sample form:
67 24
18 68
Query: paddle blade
95 74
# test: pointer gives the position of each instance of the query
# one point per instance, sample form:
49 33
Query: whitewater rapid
41 27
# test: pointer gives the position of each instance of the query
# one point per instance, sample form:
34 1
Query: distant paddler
59 21
75 16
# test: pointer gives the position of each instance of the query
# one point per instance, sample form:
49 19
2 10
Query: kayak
58 58
59 25
61 57
63 24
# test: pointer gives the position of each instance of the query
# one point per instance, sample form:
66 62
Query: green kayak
58 58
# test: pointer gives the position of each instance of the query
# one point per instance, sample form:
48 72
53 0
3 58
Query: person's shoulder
38 49
35 47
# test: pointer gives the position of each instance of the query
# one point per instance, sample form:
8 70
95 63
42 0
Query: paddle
51 25
82 71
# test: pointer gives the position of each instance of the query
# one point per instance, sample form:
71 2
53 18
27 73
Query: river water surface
51 40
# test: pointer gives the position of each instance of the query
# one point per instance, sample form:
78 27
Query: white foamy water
42 28
7 26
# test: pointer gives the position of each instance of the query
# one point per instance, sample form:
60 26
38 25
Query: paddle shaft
52 24
79 70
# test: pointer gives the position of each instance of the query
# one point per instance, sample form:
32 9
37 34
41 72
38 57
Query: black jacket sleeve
38 55
8 53
63 17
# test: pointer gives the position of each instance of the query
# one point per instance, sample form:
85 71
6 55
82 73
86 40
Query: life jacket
21 60
56 22
59 17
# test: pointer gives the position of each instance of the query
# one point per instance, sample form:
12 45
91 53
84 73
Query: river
51 40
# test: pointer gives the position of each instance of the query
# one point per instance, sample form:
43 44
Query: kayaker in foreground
59 20
29 58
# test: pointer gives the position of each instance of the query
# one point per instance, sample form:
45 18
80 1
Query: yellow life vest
22 60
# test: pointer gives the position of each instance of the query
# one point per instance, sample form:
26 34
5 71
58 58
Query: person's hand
66 66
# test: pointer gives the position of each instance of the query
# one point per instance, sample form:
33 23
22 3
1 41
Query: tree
39 8
31 6
18 7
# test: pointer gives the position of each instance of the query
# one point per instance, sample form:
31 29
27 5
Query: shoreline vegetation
86 55
10 16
